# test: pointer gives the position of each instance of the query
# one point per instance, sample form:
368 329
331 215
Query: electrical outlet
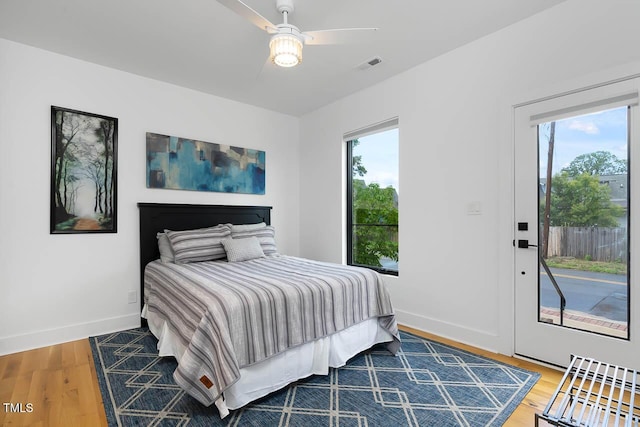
133 297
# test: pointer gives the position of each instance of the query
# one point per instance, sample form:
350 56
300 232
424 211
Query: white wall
55 288
456 270
456 274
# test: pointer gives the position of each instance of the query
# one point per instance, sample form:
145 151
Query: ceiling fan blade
266 69
248 13
338 36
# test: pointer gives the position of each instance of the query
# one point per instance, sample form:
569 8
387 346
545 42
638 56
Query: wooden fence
595 243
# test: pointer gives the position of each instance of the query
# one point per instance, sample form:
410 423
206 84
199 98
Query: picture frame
84 159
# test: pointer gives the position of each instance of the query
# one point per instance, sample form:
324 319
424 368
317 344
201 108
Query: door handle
524 244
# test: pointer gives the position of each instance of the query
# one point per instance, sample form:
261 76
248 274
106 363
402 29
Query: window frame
348 140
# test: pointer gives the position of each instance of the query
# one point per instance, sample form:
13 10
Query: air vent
370 63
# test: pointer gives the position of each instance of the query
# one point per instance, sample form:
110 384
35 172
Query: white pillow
164 245
242 249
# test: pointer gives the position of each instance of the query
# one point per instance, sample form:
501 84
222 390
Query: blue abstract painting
187 164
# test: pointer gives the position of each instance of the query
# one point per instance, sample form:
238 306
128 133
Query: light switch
474 208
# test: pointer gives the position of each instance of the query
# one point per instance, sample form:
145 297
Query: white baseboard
474 337
43 338
47 337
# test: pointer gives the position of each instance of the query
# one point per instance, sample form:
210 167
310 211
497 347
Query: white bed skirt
272 374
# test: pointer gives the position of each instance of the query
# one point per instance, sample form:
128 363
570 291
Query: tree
581 201
375 218
68 126
356 162
91 167
597 163
105 133
375 215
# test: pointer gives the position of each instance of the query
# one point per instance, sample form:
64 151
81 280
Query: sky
602 131
380 157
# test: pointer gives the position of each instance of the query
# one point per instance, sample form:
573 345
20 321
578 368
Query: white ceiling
202 45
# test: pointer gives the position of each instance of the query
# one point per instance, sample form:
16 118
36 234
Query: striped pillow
266 236
202 244
242 249
236 228
164 246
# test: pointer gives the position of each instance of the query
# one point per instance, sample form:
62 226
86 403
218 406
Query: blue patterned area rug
426 384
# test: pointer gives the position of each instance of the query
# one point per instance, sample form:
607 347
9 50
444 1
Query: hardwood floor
61 385
59 382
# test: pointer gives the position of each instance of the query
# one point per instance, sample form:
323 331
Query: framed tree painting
84 149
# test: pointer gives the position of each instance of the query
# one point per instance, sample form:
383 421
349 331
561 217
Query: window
372 197
584 163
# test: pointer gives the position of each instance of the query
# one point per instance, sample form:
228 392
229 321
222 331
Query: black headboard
156 217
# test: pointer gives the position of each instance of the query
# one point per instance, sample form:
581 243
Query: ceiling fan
287 40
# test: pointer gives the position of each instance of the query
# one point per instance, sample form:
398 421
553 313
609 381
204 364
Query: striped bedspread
232 315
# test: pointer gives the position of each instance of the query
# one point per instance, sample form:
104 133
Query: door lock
524 244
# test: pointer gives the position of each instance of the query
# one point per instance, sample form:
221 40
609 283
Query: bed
241 330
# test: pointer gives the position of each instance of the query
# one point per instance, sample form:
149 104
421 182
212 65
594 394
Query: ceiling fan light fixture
286 50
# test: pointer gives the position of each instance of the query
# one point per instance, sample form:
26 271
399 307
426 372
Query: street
598 294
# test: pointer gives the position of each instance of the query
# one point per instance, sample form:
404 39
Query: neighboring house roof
619 185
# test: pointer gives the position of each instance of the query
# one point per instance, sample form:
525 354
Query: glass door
572 233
